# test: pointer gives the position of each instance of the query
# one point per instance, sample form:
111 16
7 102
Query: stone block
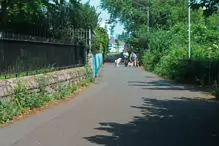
51 80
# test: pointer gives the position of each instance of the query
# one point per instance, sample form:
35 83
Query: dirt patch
141 68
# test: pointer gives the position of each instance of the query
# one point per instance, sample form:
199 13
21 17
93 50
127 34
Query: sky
105 15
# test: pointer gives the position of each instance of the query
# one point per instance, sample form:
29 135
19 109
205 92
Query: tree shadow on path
167 85
177 122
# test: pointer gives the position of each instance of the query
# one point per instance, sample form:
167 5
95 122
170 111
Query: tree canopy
100 41
163 15
209 6
50 18
123 37
166 41
133 14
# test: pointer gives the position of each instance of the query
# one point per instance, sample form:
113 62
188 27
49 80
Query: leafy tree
100 41
123 37
166 43
47 18
209 6
90 16
20 13
133 14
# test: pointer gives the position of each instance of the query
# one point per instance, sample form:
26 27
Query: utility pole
189 25
148 14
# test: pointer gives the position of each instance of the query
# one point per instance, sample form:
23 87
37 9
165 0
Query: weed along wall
20 95
52 82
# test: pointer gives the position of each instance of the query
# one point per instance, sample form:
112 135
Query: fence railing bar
16 74
19 56
17 37
203 70
52 43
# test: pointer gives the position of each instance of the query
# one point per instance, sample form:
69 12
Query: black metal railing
202 71
25 56
76 37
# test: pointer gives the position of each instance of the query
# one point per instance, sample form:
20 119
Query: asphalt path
125 107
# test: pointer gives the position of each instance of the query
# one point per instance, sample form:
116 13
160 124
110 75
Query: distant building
109 27
113 45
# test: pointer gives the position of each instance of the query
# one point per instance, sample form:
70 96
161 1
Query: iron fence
20 54
75 37
202 71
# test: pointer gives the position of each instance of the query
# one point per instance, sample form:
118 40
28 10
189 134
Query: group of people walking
132 58
129 60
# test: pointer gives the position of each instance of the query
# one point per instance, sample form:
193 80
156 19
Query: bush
169 51
159 44
149 60
175 64
216 93
171 65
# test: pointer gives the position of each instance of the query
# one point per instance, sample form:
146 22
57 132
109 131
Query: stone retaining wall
51 81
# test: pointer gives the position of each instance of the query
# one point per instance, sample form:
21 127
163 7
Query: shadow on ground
167 85
177 122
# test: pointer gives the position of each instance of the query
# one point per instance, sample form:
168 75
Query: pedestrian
133 58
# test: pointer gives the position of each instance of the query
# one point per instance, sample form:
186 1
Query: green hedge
167 56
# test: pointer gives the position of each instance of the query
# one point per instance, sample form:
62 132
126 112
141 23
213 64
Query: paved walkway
126 107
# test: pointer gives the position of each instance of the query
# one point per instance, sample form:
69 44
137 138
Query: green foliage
123 37
210 7
100 42
149 60
168 60
23 100
89 16
47 18
133 14
50 68
89 73
215 92
171 65
164 47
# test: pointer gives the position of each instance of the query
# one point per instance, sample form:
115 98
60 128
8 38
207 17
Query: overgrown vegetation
100 41
31 73
164 47
24 101
123 37
47 18
117 45
49 21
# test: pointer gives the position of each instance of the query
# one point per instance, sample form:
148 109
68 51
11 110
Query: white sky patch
104 15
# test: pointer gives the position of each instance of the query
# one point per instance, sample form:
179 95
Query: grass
24 102
42 71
